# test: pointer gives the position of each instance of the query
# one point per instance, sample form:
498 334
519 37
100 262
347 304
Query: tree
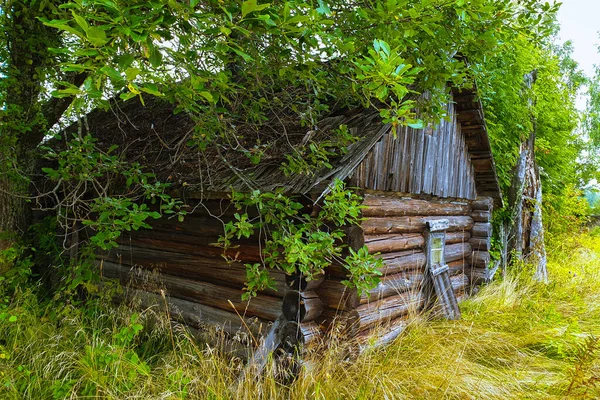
548 110
220 61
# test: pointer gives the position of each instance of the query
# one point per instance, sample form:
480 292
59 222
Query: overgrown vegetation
233 67
302 60
517 339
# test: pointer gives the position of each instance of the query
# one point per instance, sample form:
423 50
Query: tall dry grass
518 339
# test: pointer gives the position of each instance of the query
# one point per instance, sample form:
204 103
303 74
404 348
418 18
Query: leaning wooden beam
223 297
388 206
388 225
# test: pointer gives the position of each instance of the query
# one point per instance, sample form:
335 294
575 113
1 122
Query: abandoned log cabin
406 176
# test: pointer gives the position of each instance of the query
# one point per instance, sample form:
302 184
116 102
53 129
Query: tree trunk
26 117
526 232
14 213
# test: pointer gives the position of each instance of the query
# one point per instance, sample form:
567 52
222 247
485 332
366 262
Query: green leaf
155 57
125 61
80 21
416 124
208 96
132 73
113 74
323 8
62 25
139 36
13 318
96 36
152 89
245 56
251 6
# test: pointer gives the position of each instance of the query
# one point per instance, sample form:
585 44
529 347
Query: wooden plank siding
433 161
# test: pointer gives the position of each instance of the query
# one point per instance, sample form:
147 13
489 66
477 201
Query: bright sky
580 22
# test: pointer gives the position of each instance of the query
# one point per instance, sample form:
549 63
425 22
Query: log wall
202 287
394 230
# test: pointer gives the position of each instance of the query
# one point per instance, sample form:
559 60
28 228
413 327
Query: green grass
518 339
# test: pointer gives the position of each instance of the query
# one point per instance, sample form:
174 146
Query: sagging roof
154 135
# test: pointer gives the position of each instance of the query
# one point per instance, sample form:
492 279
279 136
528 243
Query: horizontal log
392 285
407 241
373 226
301 306
478 276
457 237
481 259
196 315
388 206
481 229
179 244
459 282
394 242
481 216
480 243
409 260
193 225
336 322
459 267
393 263
385 310
483 203
336 295
459 251
196 267
403 262
213 295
